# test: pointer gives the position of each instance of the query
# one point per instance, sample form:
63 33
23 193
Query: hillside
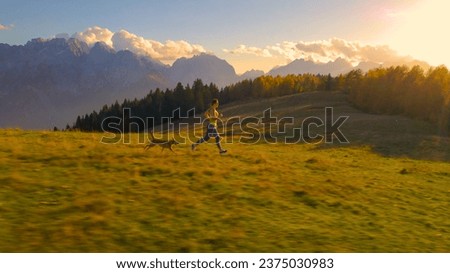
385 191
389 135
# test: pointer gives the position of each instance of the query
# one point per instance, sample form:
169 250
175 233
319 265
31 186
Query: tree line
394 90
404 91
156 104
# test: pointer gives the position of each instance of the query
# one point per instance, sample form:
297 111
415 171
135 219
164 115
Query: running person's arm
206 114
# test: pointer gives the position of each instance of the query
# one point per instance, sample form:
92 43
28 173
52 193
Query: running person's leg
211 132
217 137
205 138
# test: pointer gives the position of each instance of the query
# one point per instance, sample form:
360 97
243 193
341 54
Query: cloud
166 52
323 51
62 35
95 34
4 27
243 49
287 50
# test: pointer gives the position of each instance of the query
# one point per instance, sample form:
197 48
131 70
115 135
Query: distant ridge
47 83
300 66
251 74
207 67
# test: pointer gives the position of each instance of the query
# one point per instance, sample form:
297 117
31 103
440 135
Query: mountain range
49 82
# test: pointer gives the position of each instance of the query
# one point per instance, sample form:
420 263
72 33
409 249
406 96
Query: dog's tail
152 135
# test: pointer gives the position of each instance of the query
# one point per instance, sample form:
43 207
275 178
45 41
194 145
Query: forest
399 90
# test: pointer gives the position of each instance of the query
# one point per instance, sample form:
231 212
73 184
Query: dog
161 142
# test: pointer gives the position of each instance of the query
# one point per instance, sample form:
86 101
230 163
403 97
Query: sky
251 34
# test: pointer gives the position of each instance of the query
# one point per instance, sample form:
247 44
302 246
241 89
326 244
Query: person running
212 115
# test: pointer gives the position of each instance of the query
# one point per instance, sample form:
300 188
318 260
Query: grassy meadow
67 192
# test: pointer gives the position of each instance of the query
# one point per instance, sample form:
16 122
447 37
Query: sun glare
421 32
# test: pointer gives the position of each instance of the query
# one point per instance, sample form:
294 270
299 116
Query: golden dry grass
66 192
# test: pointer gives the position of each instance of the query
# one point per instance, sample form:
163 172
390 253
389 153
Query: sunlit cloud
5 27
322 51
166 52
286 50
243 49
95 34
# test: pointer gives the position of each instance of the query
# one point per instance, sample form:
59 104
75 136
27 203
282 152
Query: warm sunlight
232 135
422 31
